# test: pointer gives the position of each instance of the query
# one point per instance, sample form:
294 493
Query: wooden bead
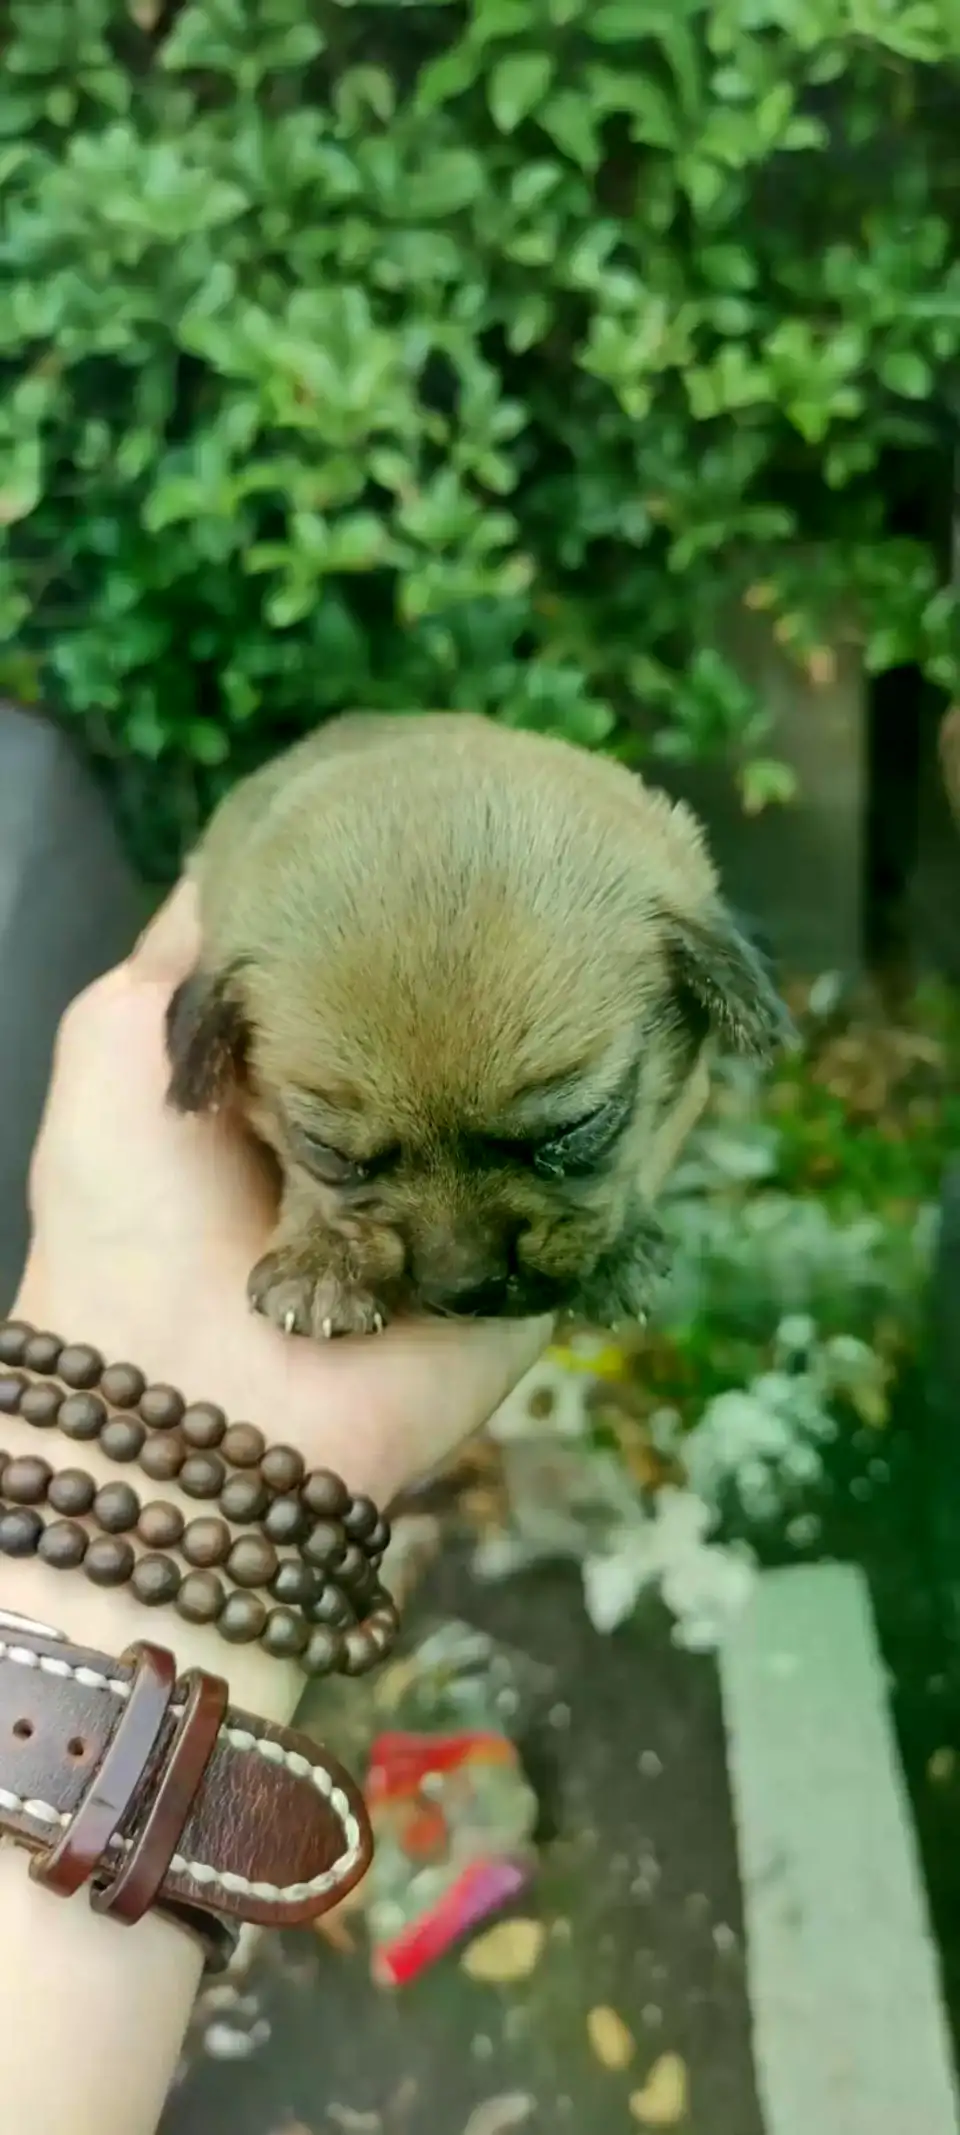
117 1508
331 1607
80 1366
294 1582
155 1579
203 1425
381 1629
122 1385
26 1479
252 1561
123 1438
82 1416
243 1618
244 1498
71 1492
206 1543
20 1532
41 1404
287 1520
324 1651
63 1545
161 1407
162 1459
329 1612
14 1336
160 1525
282 1467
243 1445
325 1546
360 1650
42 1352
202 1475
360 1519
353 1570
109 1560
201 1598
324 1494
285 1634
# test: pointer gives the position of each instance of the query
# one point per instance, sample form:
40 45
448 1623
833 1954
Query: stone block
70 905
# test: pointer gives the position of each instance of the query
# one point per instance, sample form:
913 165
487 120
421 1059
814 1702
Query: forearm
145 1228
93 2014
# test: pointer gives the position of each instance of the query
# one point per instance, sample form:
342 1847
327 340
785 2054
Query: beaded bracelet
315 1552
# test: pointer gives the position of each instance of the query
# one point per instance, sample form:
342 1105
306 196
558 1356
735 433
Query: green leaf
616 22
765 782
533 183
905 371
449 181
571 122
363 89
207 743
517 85
529 321
447 76
21 481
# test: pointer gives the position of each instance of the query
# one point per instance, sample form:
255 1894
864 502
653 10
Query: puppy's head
470 1004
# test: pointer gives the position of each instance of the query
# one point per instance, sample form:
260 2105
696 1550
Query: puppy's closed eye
576 1149
582 1148
332 1166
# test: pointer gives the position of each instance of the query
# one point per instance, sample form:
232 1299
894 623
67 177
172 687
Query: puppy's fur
484 969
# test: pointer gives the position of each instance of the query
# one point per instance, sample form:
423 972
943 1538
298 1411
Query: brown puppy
463 981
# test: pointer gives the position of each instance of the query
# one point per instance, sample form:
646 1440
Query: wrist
197 1797
269 1643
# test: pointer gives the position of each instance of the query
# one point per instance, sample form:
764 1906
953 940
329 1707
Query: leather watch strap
155 1792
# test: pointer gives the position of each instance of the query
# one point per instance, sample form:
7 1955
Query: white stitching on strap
240 1739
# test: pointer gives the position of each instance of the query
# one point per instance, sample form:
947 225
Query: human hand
145 1225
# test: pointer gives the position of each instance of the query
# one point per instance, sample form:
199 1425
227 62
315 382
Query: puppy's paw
319 1305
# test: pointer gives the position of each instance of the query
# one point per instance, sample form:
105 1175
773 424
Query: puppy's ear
206 1041
728 984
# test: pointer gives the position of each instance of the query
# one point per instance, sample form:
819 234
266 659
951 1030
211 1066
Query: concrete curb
850 2036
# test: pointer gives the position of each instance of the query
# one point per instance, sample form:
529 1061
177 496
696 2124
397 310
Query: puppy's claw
303 1303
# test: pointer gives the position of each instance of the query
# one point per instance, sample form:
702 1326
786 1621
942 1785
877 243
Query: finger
169 946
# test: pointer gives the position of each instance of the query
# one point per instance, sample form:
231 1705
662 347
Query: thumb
168 948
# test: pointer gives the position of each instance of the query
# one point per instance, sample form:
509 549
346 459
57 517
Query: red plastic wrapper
453 1813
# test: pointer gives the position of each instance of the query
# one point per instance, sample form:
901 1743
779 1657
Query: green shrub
468 354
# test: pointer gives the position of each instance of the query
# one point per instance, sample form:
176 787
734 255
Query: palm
145 1222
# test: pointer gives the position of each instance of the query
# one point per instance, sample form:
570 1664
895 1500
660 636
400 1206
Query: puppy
464 982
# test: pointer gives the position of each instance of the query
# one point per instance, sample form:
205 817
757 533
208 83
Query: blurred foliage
814 1193
475 353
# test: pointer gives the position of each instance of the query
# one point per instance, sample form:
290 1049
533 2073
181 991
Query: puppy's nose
467 1298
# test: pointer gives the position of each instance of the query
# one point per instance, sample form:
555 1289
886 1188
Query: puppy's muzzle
484 1300
500 1296
483 1277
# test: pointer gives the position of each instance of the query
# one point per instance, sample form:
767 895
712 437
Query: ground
638 1894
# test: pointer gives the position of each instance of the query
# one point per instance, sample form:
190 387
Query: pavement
730 1867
